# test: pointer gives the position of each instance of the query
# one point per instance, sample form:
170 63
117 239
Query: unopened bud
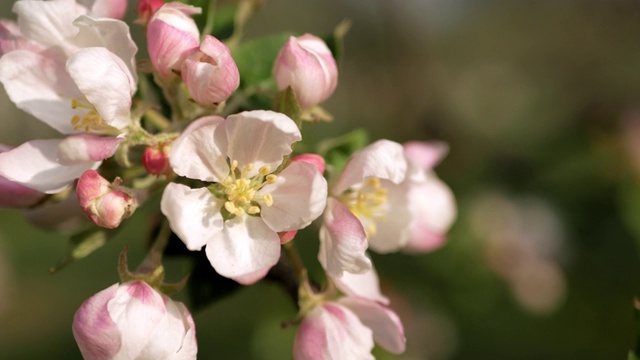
171 36
307 65
146 9
156 159
210 74
287 236
104 203
313 159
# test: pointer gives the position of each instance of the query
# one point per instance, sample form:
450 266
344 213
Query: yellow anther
234 165
247 168
373 182
271 179
268 199
253 210
264 170
231 207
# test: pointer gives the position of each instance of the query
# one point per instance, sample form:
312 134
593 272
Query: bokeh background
540 104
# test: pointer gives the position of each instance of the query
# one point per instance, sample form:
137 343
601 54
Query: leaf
255 59
335 40
337 151
83 244
285 102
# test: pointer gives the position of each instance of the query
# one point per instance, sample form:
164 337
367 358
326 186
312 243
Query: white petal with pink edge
365 285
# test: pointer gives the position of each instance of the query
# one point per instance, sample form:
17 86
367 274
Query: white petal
392 232
387 328
252 278
245 245
299 197
34 164
48 22
114 36
425 155
193 214
94 330
331 331
343 242
80 148
41 86
365 285
200 151
383 159
260 138
105 81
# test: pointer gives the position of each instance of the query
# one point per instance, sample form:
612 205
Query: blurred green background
540 104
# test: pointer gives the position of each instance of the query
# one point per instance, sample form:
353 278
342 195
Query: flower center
241 192
91 121
368 202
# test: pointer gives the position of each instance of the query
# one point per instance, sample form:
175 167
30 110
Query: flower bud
171 36
105 204
156 159
306 64
313 159
210 73
146 9
134 321
287 236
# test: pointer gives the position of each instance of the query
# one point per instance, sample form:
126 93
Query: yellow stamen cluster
240 191
90 121
367 203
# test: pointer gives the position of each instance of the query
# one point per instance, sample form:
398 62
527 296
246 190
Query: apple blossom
209 73
134 321
156 159
307 65
367 207
13 195
251 198
146 9
105 204
171 36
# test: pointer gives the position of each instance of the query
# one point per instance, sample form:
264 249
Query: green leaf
337 151
224 21
335 40
634 354
255 59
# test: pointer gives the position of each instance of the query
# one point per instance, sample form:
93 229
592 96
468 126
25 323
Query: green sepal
286 102
335 40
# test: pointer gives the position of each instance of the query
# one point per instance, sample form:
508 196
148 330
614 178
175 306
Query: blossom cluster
231 180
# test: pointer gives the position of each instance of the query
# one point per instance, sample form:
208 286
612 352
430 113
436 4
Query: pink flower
306 64
347 328
171 37
134 321
146 9
104 203
249 201
210 73
156 159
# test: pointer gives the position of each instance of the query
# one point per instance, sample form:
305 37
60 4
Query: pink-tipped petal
426 155
388 331
313 159
252 278
365 285
82 148
343 242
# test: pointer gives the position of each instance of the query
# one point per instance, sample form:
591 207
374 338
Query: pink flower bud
306 64
171 36
287 236
134 321
105 204
146 9
156 159
210 73
313 159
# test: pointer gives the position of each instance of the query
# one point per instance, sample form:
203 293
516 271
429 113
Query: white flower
238 217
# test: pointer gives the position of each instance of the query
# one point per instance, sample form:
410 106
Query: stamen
253 210
264 170
271 179
268 199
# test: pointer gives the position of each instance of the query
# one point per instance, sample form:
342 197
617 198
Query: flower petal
41 86
81 148
245 245
299 197
200 151
383 159
331 331
107 8
252 278
94 330
387 328
365 285
261 138
426 155
104 80
193 214
35 164
392 232
343 242
48 22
